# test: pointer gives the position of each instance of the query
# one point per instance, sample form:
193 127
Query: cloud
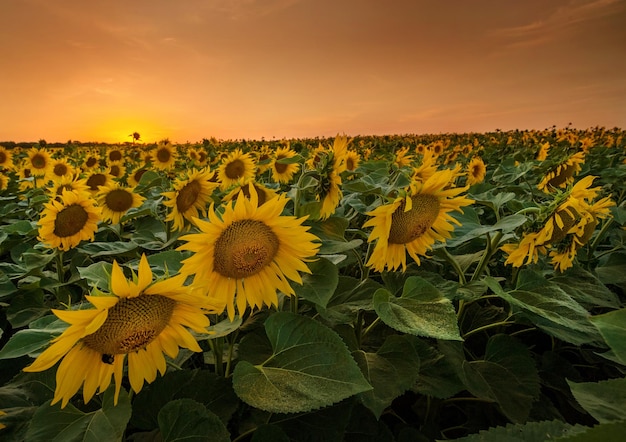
556 22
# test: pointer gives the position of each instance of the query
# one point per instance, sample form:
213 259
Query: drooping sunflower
236 167
544 148
140 319
563 174
189 198
4 181
164 155
476 171
38 161
243 256
563 230
68 220
402 157
284 172
115 200
414 223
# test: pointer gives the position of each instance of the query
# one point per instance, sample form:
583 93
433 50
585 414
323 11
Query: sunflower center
280 167
188 195
235 169
138 174
244 248
91 161
70 221
115 170
350 164
163 155
3 157
119 200
131 324
38 161
408 226
60 169
96 180
115 155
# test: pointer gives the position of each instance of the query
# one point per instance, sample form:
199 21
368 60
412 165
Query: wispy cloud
555 22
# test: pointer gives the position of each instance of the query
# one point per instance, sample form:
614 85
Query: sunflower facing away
139 319
245 255
414 223
115 200
563 174
565 229
68 220
189 198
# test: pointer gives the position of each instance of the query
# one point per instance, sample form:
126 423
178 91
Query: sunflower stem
596 241
490 249
370 327
486 327
455 264
293 304
59 265
230 354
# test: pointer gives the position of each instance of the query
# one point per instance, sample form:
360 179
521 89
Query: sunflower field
390 288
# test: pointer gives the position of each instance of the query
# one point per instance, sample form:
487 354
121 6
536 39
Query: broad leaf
56 424
612 327
190 421
604 400
319 286
422 310
507 375
310 367
529 432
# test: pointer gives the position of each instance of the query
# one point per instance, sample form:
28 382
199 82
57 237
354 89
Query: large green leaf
110 248
552 310
319 286
529 432
34 338
507 375
604 400
190 421
97 275
438 376
56 424
212 391
586 289
392 370
612 327
605 432
422 310
310 367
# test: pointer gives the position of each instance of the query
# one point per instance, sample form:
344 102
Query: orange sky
186 70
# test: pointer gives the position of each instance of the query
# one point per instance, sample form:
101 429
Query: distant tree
43 143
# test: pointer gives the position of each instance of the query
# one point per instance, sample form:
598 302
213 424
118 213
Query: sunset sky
193 69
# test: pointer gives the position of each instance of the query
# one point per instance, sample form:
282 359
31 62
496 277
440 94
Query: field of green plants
392 288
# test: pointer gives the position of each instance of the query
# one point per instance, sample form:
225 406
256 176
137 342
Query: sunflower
67 221
116 169
25 177
315 157
97 179
68 183
236 167
138 318
564 230
413 223
135 176
6 159
115 154
563 174
189 197
543 151
245 255
263 192
38 161
4 181
476 171
352 160
60 168
91 161
402 157
115 200
164 156
283 172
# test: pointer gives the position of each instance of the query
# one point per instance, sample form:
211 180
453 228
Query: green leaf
612 327
112 248
438 376
97 275
506 224
56 424
26 306
34 338
605 432
529 432
350 297
392 370
212 391
319 286
611 270
269 433
310 367
190 421
422 310
552 310
586 289
604 400
507 375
